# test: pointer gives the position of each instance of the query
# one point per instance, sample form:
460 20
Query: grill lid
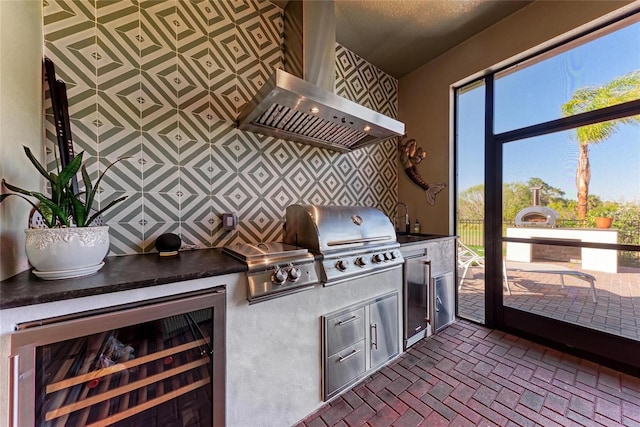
260 251
337 228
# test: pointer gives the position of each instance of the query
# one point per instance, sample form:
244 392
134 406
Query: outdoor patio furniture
532 267
467 257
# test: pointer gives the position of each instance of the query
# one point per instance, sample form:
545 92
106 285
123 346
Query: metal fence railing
471 233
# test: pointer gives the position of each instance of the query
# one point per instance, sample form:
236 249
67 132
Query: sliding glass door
470 103
561 223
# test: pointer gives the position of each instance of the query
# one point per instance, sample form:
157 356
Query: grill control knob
279 276
378 258
342 265
294 274
392 255
361 262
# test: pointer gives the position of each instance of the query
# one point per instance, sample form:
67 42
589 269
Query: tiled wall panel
162 83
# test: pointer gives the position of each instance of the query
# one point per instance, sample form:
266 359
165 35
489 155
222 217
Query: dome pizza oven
536 215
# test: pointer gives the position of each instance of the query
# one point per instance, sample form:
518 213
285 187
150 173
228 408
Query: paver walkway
469 375
616 311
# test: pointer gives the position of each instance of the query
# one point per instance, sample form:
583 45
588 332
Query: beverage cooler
153 363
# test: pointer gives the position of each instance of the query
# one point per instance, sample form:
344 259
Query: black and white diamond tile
121 80
346 197
161 207
196 234
260 225
195 167
70 39
223 174
252 77
161 19
192 26
117 110
260 27
156 90
115 143
123 175
222 132
263 179
83 103
126 238
66 18
160 120
154 57
194 127
329 185
189 95
159 149
197 208
224 96
74 66
163 82
119 33
159 177
129 210
246 148
197 67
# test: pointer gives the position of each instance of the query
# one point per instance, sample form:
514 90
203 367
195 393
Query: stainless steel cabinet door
383 329
344 330
345 366
443 301
417 277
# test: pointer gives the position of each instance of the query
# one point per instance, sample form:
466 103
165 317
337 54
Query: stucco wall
425 96
20 121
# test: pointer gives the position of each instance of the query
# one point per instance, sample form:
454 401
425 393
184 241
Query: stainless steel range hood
299 103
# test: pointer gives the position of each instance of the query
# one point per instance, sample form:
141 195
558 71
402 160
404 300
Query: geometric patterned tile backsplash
162 82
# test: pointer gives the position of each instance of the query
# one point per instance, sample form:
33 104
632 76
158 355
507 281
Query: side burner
275 269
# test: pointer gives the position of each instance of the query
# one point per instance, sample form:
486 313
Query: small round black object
168 242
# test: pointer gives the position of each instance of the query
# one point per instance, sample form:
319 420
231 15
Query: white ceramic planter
62 253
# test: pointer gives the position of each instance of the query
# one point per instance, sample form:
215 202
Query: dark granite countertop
415 238
119 273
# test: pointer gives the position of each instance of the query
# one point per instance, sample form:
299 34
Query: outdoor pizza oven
536 215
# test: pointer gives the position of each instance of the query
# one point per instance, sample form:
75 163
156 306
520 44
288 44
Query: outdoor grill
275 269
354 241
536 215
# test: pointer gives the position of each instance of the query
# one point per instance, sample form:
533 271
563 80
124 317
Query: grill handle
363 240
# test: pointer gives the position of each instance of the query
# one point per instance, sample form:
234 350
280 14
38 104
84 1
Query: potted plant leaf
603 215
67 238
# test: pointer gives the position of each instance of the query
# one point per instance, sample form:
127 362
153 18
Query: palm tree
618 91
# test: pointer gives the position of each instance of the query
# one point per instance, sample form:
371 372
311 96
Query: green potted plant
68 239
603 215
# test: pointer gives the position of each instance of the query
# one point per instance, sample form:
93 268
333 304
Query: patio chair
467 257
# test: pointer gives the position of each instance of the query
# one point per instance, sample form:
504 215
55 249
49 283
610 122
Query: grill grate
284 118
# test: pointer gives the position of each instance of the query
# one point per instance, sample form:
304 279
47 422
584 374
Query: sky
535 94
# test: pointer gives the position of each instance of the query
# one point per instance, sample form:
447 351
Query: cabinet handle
438 303
14 382
348 356
374 326
349 320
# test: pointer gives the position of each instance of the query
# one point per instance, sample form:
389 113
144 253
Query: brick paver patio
617 309
469 375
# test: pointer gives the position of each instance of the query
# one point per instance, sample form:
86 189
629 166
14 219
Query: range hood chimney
299 103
